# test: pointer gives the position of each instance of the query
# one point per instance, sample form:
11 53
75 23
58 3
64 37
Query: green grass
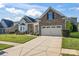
71 42
68 55
74 34
16 38
4 46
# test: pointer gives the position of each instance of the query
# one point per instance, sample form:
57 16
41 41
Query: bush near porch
16 38
71 42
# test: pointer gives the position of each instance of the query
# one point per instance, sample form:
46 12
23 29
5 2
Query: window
58 26
48 26
53 26
43 27
50 16
21 28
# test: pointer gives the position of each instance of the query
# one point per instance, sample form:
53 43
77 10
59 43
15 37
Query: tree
69 26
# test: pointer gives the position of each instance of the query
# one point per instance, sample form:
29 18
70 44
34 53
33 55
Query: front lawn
71 42
4 46
74 34
16 38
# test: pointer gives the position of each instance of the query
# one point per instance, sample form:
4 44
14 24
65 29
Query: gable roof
28 19
53 10
9 23
1 26
33 20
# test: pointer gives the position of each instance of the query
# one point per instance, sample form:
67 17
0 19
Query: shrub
69 26
65 33
75 28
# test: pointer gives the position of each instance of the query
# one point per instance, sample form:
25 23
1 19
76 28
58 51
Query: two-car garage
54 30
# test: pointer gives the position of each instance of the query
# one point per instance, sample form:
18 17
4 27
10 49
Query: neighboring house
6 23
27 24
73 20
6 26
1 29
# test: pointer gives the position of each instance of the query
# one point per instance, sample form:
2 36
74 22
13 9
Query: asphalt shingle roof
8 22
28 19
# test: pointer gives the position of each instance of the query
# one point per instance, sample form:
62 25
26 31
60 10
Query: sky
15 11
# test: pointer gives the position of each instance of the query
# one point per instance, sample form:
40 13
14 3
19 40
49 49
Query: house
6 23
1 29
28 25
51 22
6 26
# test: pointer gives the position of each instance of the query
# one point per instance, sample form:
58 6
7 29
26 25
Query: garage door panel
45 32
50 31
56 32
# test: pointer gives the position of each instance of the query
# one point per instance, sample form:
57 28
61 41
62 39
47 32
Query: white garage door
55 30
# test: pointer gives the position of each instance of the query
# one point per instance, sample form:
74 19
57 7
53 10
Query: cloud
2 5
8 18
13 19
17 18
25 6
59 9
25 9
74 8
33 12
15 11
35 6
77 8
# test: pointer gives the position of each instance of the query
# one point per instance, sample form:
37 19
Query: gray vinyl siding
2 31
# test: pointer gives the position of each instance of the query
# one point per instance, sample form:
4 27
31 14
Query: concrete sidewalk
9 43
40 46
70 51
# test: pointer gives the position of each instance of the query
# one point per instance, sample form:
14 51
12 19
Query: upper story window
50 16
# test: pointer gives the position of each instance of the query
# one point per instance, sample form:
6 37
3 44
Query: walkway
9 43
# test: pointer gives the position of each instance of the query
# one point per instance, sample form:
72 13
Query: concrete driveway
40 46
